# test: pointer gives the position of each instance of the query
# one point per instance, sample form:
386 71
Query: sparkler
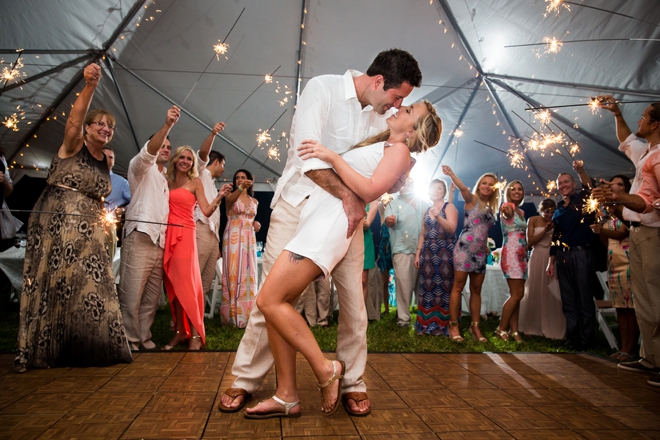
268 78
543 116
552 45
11 122
525 160
551 185
458 132
534 109
263 137
591 205
555 6
218 49
386 198
102 217
274 153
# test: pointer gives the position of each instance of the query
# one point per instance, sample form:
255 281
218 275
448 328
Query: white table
494 292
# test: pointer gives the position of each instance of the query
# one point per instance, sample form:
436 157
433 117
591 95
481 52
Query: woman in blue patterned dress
435 262
514 258
471 249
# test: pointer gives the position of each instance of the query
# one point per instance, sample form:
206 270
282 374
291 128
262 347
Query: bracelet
615 115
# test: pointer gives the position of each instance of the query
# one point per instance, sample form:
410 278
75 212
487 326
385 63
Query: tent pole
46 51
431 95
599 89
193 117
300 45
458 124
108 62
512 126
560 118
442 4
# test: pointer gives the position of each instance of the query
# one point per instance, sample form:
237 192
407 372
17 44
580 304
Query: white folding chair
604 307
216 290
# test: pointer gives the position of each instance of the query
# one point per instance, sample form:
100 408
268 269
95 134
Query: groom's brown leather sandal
234 393
357 397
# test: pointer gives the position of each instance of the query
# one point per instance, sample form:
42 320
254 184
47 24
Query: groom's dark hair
397 66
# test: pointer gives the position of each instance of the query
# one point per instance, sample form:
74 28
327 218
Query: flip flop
357 397
330 381
234 393
272 414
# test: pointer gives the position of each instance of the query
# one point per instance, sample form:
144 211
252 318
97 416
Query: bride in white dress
369 169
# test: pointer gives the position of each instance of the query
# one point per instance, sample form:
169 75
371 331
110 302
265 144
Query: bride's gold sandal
330 381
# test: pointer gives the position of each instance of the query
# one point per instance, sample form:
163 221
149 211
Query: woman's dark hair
397 66
248 174
626 180
654 113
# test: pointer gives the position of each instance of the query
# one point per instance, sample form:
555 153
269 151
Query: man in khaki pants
338 111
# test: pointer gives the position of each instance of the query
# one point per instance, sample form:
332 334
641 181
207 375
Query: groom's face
383 100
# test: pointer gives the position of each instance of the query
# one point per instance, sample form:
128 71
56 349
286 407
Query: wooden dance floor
414 396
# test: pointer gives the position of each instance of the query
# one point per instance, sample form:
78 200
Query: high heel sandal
474 334
330 381
502 334
168 347
457 338
516 337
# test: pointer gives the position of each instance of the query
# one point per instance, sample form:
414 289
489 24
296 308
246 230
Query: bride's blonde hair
428 129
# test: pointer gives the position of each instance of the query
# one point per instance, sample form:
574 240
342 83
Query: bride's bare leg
285 282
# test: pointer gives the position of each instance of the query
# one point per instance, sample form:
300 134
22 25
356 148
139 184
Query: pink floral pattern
470 250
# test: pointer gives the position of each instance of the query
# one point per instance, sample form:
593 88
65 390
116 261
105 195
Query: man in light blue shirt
117 200
403 215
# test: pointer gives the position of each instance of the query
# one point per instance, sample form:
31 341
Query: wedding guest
69 313
116 202
239 252
540 309
514 258
615 234
384 260
471 249
183 280
434 259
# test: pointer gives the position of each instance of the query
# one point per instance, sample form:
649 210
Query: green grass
383 336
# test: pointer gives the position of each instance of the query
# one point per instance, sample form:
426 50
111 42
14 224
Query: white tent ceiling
159 51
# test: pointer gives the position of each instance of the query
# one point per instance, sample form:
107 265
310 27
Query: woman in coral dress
514 258
183 281
239 252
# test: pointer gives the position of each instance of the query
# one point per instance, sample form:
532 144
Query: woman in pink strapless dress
183 281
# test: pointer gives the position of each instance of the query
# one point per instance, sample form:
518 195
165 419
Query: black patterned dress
436 277
69 308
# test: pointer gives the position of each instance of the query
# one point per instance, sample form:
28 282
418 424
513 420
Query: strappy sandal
457 338
474 334
502 334
272 414
517 337
169 347
330 381
357 396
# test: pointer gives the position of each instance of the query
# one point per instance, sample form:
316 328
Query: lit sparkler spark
543 116
263 137
552 45
10 74
458 132
499 186
575 148
594 105
274 154
11 122
284 101
515 158
108 218
220 48
386 198
555 6
268 78
551 185
591 206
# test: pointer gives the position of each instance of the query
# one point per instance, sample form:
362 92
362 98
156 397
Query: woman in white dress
369 169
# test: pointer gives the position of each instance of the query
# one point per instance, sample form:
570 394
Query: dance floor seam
414 396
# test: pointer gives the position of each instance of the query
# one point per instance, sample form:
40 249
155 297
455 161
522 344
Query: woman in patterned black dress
69 313
435 262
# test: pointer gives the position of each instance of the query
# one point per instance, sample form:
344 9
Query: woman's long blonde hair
428 129
192 172
493 201
509 187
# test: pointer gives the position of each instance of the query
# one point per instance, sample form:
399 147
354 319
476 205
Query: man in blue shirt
117 200
571 251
